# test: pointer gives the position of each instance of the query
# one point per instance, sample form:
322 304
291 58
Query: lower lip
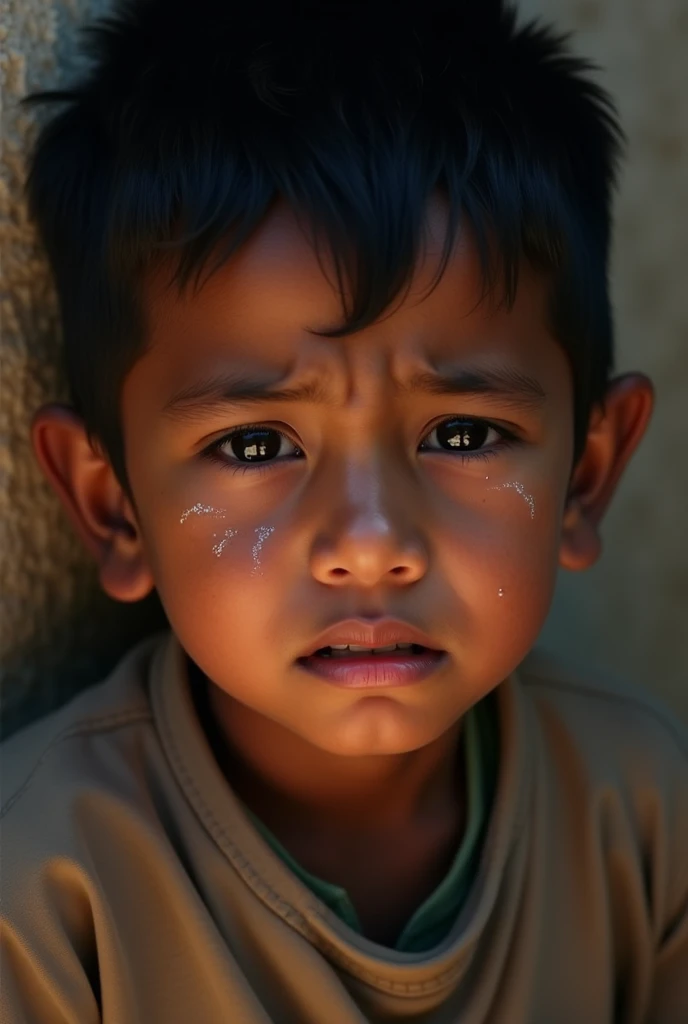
376 671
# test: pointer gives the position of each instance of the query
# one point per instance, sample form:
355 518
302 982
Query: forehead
260 307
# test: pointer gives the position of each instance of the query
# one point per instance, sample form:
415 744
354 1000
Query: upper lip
368 634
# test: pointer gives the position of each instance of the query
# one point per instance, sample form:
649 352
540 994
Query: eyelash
213 454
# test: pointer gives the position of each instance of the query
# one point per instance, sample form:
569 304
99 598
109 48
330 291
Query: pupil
462 435
255 445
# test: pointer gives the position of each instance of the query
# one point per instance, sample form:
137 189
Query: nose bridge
370 529
367 488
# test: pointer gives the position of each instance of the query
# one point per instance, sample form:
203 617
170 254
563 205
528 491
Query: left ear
615 431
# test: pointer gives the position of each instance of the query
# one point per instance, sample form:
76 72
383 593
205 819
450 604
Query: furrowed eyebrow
505 384
216 393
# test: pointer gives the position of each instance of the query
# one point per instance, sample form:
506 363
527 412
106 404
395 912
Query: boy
333 285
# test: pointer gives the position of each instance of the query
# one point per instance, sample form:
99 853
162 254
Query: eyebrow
217 392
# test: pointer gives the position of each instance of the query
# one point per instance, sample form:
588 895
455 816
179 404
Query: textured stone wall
58 632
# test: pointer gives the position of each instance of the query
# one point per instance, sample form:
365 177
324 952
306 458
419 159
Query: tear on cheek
218 548
222 540
203 510
262 532
199 509
520 489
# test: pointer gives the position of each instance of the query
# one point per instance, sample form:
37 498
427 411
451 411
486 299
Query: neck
284 779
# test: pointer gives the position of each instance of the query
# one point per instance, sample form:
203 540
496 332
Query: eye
252 444
466 436
260 445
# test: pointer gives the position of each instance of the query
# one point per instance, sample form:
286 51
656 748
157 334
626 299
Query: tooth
358 649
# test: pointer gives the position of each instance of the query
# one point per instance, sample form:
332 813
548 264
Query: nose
369 537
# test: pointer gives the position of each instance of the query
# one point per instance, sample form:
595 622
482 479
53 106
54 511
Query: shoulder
615 746
46 763
605 713
613 762
69 779
71 783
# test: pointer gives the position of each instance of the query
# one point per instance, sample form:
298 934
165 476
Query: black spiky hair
195 116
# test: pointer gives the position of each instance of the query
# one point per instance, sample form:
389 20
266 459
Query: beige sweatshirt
135 891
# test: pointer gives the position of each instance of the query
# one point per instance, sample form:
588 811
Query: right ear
94 500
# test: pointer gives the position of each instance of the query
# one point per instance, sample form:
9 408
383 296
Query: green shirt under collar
435 916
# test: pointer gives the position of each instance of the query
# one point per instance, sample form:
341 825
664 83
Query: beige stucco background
58 632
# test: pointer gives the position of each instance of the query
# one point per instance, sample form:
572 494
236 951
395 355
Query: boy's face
461 544
359 507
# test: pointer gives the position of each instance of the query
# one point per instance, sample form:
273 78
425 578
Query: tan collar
221 815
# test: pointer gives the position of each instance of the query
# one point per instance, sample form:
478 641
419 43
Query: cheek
204 567
218 591
501 555
225 541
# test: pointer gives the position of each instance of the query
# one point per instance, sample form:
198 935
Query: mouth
375 664
353 650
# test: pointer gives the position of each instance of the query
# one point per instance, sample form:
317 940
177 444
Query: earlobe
581 544
94 501
616 429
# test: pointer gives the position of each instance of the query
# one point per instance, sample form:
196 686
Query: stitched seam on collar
286 910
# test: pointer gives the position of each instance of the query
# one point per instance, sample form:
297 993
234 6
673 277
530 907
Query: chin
377 730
